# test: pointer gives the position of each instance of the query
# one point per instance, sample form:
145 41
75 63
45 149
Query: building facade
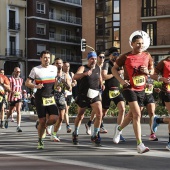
115 20
54 25
12 35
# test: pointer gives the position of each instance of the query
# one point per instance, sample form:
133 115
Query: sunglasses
115 54
102 57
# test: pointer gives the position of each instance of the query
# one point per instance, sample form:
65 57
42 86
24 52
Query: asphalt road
18 150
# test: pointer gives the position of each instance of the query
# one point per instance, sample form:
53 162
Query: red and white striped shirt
16 89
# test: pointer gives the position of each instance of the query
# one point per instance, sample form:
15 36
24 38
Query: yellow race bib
139 80
149 90
48 101
168 87
113 93
17 94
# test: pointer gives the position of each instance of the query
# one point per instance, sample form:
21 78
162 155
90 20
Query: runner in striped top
15 97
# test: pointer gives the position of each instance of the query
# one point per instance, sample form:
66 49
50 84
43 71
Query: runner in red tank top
162 73
15 97
137 65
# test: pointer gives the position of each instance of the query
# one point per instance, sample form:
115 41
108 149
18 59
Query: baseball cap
91 54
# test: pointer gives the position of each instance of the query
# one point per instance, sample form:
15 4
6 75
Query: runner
162 73
42 78
62 82
68 93
89 77
137 65
15 97
100 62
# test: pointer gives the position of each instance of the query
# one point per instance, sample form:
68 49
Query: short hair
44 52
136 37
98 53
58 58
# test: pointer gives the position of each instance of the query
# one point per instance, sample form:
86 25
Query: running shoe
55 138
103 130
96 139
154 123
75 139
168 146
2 126
40 145
141 148
122 139
116 136
48 130
19 129
6 124
36 124
12 119
153 137
88 129
68 129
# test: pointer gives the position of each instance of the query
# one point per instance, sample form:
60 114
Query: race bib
168 87
48 101
113 93
1 98
92 93
17 94
149 90
138 80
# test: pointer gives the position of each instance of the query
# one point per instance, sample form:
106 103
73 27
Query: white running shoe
54 138
103 130
48 130
141 148
88 129
116 136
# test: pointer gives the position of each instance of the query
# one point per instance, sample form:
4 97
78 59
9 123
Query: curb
108 120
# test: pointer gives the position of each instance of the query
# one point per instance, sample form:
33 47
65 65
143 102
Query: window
151 29
40 48
41 29
40 7
149 8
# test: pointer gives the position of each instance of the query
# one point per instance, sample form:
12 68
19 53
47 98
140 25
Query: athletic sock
119 128
101 125
76 131
89 123
96 130
139 142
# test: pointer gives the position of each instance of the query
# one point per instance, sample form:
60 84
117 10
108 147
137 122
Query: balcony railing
70 58
64 18
163 39
159 11
77 2
13 52
14 26
64 38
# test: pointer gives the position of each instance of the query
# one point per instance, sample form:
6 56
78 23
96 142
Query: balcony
65 38
13 52
73 2
162 11
64 18
14 26
103 9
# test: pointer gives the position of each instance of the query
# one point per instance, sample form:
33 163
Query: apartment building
114 20
54 25
12 35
